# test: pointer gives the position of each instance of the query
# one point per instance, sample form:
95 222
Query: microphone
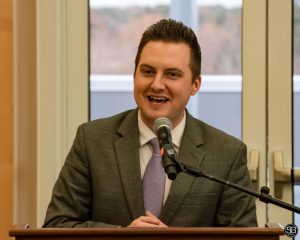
162 128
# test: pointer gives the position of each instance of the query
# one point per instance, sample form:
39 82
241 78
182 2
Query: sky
126 3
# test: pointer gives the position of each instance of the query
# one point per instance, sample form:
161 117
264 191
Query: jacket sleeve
237 208
71 201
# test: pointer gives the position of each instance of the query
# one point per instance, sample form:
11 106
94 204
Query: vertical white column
62 87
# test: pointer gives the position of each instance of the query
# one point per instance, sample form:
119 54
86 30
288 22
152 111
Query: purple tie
154 181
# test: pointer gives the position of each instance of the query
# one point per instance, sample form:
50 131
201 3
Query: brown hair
169 30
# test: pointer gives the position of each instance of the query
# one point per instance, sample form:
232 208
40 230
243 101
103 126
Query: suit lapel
127 153
189 153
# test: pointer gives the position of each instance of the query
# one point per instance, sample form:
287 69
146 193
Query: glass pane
219 32
296 103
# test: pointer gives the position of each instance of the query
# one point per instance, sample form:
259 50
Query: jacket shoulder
109 125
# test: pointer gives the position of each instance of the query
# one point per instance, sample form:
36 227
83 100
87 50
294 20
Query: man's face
163 81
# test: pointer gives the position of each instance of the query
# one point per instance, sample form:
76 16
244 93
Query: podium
24 232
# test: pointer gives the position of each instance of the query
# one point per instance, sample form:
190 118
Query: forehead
159 52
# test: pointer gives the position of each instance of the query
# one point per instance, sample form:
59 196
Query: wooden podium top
23 232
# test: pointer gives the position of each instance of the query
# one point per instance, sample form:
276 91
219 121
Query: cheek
183 92
138 90
136 86
136 93
140 86
182 96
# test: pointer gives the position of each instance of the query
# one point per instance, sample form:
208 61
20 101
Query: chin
156 116
151 113
150 118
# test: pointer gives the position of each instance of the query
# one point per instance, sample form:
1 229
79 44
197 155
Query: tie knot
155 145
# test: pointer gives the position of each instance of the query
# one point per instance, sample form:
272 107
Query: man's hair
169 30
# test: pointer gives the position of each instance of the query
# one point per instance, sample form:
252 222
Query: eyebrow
174 69
146 65
165 70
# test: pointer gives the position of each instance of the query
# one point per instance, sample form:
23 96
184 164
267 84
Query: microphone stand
173 167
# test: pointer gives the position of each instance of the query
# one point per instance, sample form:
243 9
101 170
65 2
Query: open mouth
158 99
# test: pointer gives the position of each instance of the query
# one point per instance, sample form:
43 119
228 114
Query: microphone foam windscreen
162 122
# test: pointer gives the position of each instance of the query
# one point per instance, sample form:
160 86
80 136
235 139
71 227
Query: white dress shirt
146 134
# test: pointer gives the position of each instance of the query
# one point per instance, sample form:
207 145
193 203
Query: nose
158 83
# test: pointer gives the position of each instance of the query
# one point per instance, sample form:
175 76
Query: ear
196 85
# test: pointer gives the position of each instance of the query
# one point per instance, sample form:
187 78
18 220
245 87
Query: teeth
158 99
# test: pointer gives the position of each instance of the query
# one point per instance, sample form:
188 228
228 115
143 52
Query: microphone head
162 122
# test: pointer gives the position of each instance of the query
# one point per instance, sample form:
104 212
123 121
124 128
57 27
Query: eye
173 74
147 71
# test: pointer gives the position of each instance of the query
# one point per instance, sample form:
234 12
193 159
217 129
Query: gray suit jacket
100 183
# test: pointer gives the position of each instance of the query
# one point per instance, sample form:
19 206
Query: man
101 182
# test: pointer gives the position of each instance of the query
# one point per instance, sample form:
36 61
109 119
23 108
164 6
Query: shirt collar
146 134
